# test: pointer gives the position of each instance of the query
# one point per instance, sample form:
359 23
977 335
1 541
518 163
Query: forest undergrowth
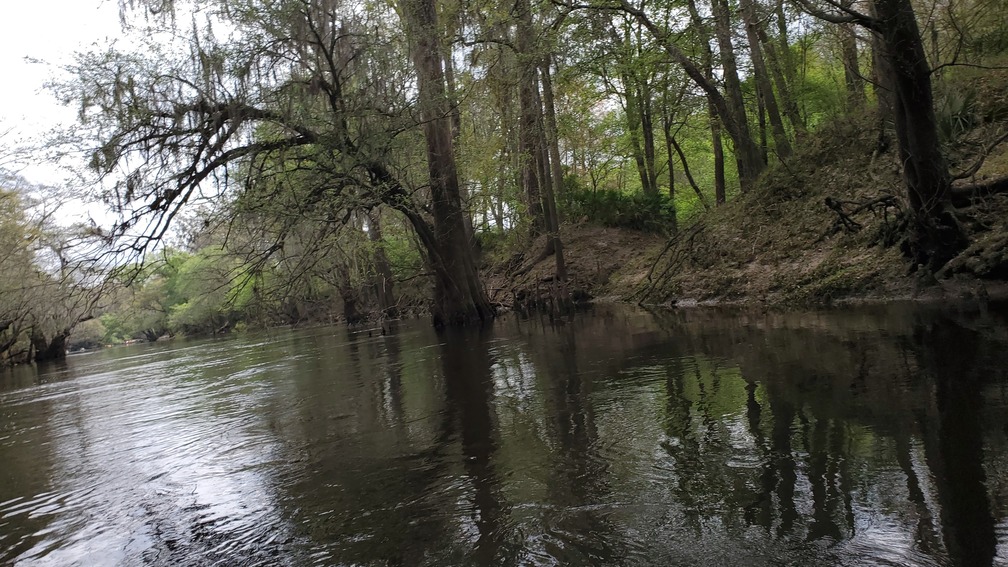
822 227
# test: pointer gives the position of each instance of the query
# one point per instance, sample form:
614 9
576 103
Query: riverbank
824 227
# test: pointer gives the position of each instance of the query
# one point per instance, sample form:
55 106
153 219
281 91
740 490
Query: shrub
955 110
638 211
87 335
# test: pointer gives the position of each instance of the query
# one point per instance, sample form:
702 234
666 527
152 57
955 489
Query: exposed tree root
878 205
966 195
547 251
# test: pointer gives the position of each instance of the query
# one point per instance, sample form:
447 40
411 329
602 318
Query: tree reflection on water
614 437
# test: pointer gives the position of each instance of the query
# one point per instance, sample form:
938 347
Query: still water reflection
618 437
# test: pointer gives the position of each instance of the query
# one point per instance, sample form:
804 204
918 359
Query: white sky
51 32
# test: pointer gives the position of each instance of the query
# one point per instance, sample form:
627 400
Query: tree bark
647 131
554 244
936 236
667 130
720 195
761 124
552 132
762 77
459 296
852 72
528 112
383 272
747 154
551 157
882 82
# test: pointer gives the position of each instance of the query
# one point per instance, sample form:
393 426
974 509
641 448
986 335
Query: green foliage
182 292
116 330
636 211
87 335
214 290
821 92
493 240
987 35
955 110
403 256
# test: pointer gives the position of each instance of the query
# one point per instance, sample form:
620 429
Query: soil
600 261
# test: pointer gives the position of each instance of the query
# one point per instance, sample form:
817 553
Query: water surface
871 436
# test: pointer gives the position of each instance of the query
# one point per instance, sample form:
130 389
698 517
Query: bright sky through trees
34 42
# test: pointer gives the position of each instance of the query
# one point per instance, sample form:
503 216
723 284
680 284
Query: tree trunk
647 131
715 123
667 130
552 132
788 66
784 90
936 236
49 349
551 157
761 124
882 84
554 244
349 297
459 297
747 154
763 85
720 192
383 272
528 112
689 176
852 72
633 114
497 206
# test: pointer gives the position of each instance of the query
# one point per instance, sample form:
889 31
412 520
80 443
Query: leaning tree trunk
763 83
459 297
748 155
715 123
935 236
647 131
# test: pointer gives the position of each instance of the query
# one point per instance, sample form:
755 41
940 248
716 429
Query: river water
869 436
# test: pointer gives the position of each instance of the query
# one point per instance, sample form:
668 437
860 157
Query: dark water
620 437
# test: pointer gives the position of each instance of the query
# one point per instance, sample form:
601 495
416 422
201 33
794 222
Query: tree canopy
321 150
